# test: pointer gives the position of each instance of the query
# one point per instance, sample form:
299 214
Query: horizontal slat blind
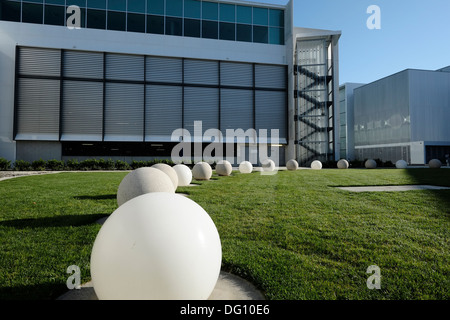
201 104
270 76
124 112
163 112
201 72
236 109
38 109
124 67
236 74
39 62
270 109
169 70
82 117
82 64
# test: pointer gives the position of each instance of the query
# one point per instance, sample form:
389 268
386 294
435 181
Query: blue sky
414 34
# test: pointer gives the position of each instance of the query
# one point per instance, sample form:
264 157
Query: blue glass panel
244 14
136 6
276 35
80 3
155 7
276 18
192 9
260 16
210 10
227 12
119 5
96 4
60 2
174 8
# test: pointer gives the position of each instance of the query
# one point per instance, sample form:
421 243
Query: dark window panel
10 11
96 19
116 21
192 28
244 32
155 24
36 1
209 29
260 34
32 13
227 31
55 15
174 26
136 22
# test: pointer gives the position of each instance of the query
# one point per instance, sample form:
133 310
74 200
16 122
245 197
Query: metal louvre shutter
168 70
271 112
270 76
124 67
39 62
236 74
236 109
201 104
124 112
201 72
163 112
81 64
82 113
38 109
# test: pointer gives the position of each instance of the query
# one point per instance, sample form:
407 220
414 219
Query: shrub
55 165
5 164
90 164
122 165
135 164
22 165
38 165
72 164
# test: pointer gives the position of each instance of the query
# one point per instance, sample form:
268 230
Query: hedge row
73 164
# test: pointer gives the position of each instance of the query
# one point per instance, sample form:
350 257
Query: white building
135 71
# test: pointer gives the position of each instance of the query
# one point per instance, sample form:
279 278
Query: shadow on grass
98 197
44 291
49 222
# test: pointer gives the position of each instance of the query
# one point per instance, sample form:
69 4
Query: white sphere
169 171
401 164
245 167
316 165
158 246
292 165
268 165
370 164
141 181
202 171
435 163
224 168
184 174
342 164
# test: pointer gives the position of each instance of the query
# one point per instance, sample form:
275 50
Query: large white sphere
245 167
435 163
342 164
401 164
370 164
158 246
268 165
292 165
141 181
184 174
202 171
316 165
224 168
169 171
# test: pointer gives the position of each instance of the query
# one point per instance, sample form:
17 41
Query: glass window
227 12
96 19
32 13
96 4
119 5
244 14
276 18
117 21
60 2
155 24
227 31
276 35
174 26
244 32
37 1
155 7
136 22
192 9
174 8
10 11
80 3
136 6
192 28
260 34
209 29
210 10
260 16
55 15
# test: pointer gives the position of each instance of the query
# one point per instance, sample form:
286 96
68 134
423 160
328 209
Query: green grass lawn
293 234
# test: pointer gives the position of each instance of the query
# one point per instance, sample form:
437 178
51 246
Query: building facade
117 79
404 116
